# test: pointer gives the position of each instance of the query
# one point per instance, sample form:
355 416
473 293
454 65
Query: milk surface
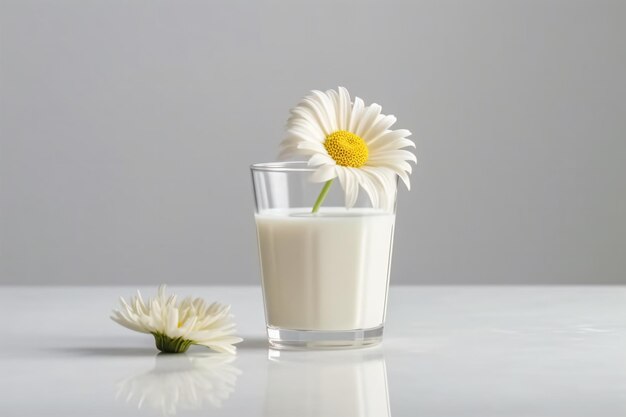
325 271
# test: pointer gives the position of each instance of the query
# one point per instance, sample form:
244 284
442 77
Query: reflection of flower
181 383
177 325
350 141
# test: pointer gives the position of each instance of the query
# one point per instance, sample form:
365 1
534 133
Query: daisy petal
328 108
303 134
368 119
171 325
316 110
400 168
312 147
349 184
306 123
367 183
383 178
291 142
119 319
393 144
320 159
306 119
388 136
380 126
394 155
334 97
231 350
324 173
343 111
355 115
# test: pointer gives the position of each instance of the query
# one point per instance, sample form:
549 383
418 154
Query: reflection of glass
180 382
329 383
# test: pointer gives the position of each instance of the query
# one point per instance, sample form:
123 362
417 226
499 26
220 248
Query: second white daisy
349 141
176 325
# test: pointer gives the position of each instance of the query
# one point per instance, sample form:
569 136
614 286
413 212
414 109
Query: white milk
327 271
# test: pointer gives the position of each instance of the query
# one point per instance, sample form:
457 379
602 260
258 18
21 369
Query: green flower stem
322 196
168 345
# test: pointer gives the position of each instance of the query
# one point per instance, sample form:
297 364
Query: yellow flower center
346 148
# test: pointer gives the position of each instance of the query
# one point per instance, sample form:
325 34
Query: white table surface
448 351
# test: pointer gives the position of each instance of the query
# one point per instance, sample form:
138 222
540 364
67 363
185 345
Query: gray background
127 129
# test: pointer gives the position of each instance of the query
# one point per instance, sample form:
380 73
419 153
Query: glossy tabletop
447 351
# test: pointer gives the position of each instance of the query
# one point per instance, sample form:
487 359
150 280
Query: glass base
320 339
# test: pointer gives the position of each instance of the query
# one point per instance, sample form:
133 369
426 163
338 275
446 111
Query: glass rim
287 166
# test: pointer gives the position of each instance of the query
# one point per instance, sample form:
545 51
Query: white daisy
349 141
177 325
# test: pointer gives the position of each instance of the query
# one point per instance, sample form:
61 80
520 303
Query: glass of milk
325 275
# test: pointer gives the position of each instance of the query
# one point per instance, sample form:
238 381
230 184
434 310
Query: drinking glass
325 275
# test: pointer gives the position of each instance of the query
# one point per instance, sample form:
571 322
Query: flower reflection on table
181 382
347 383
